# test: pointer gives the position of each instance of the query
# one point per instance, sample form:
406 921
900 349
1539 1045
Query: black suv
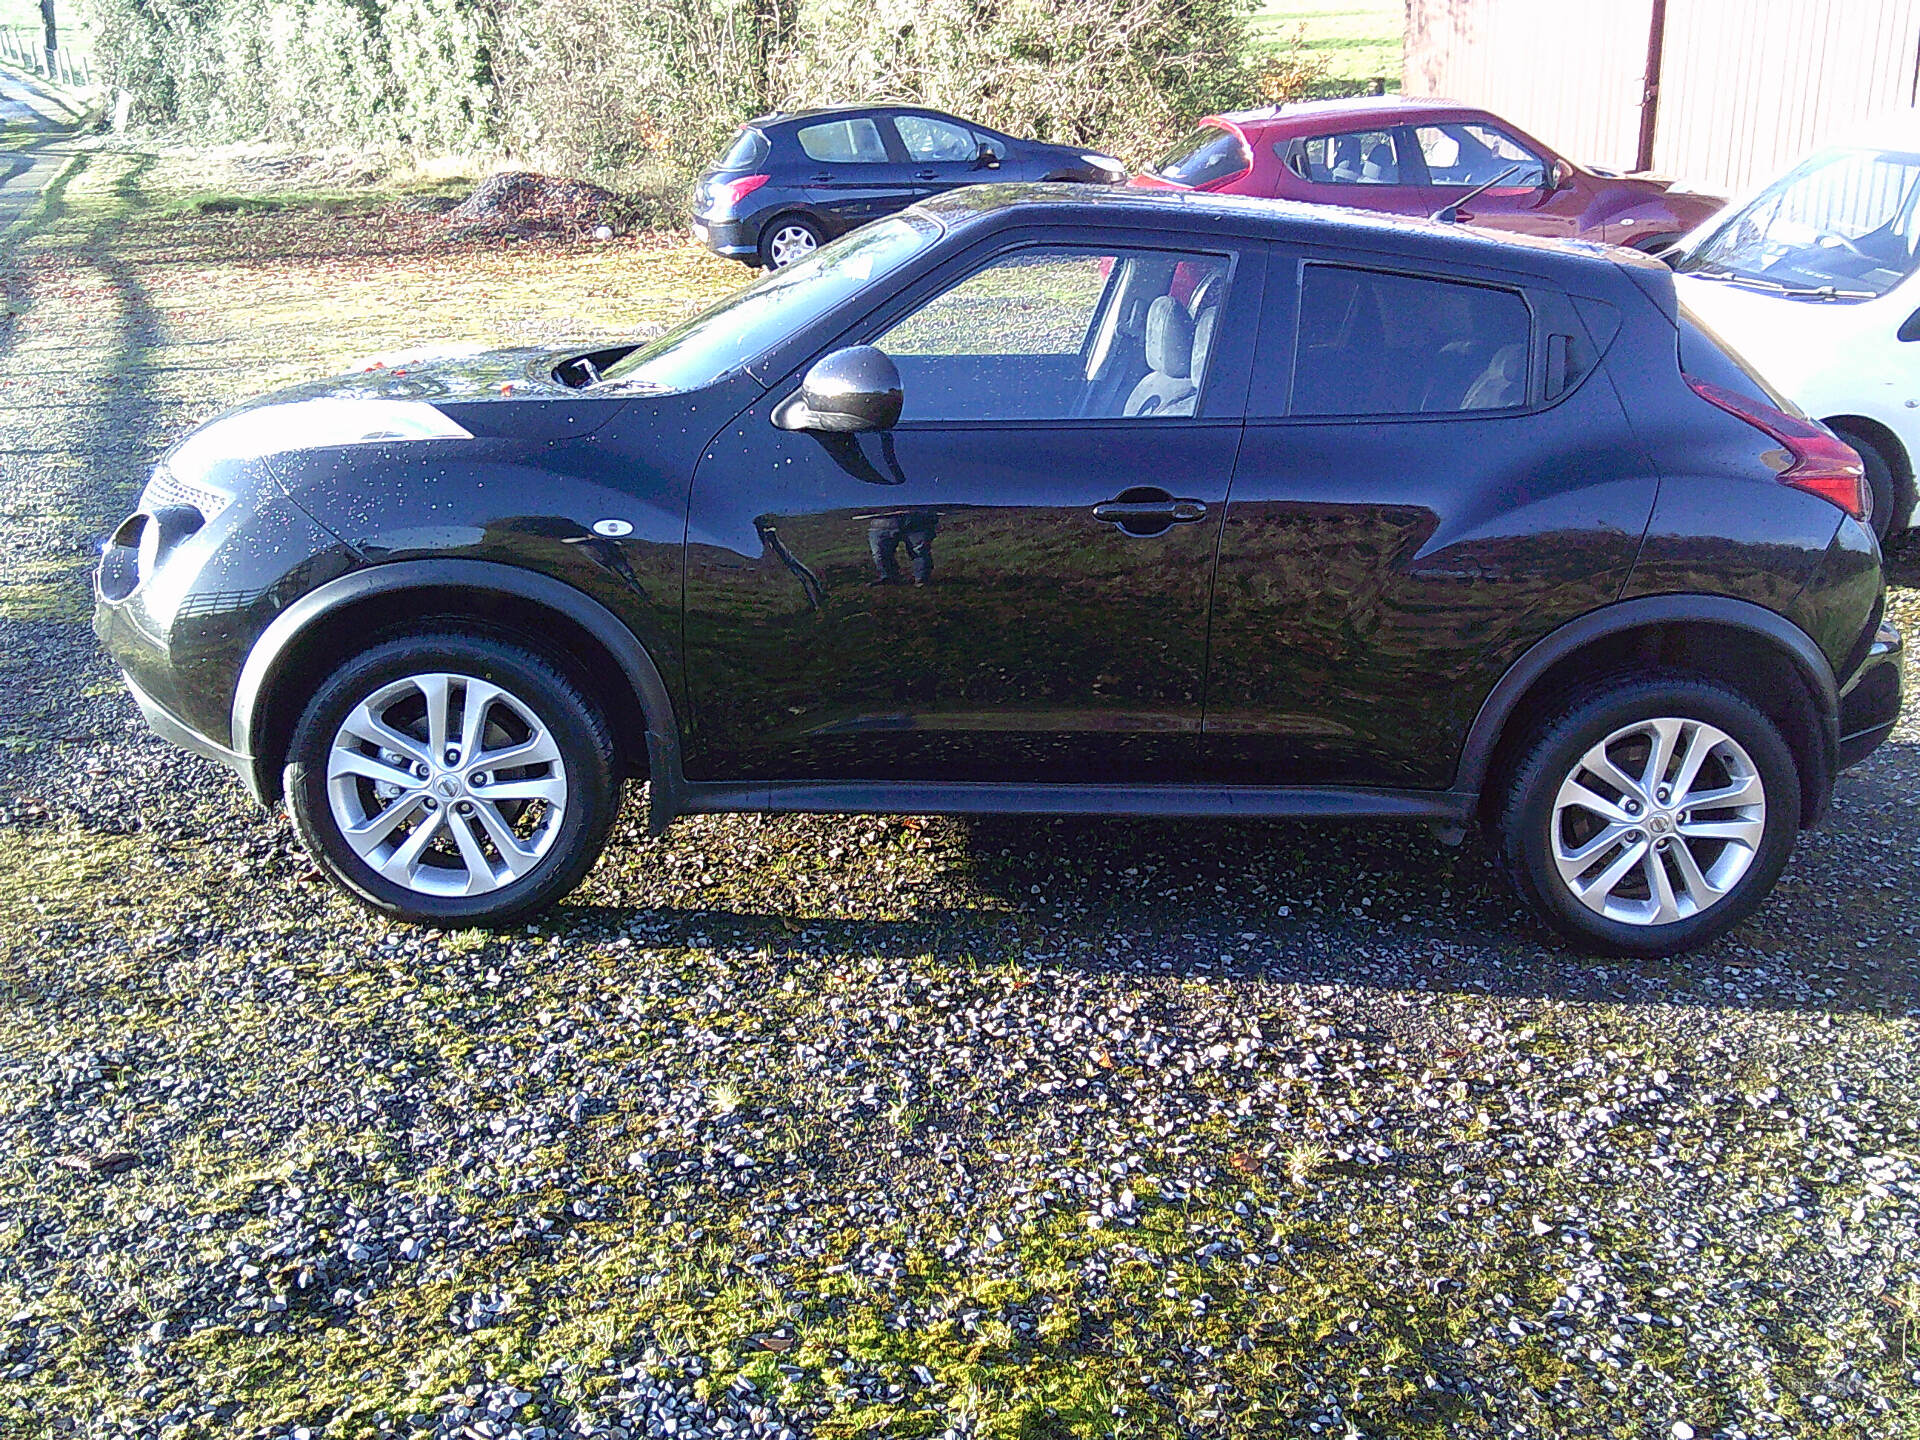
789 183
1045 499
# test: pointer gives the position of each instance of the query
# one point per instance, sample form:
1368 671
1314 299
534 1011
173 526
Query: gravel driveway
834 1127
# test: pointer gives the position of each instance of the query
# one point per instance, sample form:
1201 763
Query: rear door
1011 584
853 170
1433 476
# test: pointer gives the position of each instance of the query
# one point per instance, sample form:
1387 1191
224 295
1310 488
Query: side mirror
1556 176
848 390
988 159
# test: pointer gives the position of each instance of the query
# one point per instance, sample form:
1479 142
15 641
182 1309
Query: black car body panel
837 195
1389 592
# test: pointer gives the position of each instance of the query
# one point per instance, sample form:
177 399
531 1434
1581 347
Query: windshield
1208 153
746 325
1841 225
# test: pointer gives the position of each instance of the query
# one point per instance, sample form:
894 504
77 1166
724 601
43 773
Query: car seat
1502 384
1168 383
1381 168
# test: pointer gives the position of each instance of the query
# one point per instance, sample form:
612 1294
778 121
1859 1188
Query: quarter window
934 141
844 142
1372 343
1475 154
1058 333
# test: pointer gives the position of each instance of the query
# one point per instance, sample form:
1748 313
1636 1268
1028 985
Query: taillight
732 192
1820 462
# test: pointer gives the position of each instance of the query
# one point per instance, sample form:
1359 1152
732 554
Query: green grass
1361 39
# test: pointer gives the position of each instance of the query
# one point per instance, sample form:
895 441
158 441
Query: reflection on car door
1010 585
1431 490
859 172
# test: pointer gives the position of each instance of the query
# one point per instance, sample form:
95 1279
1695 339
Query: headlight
1105 163
312 425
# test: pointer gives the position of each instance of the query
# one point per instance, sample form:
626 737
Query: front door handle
926 174
1145 510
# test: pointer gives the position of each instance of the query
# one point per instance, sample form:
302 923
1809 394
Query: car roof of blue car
1334 226
817 112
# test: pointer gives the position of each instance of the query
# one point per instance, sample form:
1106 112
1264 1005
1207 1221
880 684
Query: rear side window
1361 157
1208 153
748 149
844 142
1373 343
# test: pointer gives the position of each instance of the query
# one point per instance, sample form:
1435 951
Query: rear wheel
452 779
1649 817
786 239
1889 497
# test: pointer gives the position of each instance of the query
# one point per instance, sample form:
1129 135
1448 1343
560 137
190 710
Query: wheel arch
1751 650
599 652
1884 440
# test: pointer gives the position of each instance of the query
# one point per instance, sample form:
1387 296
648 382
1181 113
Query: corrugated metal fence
1744 86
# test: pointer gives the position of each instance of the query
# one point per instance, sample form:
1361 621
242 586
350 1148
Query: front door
942 154
1459 156
1011 584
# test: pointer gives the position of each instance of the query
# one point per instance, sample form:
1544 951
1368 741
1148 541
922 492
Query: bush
629 86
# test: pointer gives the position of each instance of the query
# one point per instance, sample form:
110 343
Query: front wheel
1651 816
452 779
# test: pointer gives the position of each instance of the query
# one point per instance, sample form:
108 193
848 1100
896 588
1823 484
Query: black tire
585 777
780 224
1526 828
1889 496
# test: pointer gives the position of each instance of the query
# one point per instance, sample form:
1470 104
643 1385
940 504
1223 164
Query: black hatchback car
1045 499
789 183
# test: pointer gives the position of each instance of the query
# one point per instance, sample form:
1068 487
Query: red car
1413 157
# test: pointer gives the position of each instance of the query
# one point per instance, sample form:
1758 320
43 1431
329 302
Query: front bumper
1870 703
177 732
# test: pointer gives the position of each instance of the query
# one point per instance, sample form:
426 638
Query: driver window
1475 154
1058 333
935 141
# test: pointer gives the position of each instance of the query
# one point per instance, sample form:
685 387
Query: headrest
1202 341
1169 338
1509 362
1202 295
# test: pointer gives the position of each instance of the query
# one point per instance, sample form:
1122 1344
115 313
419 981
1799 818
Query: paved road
29 108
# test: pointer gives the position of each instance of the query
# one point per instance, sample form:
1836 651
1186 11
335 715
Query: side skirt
1215 802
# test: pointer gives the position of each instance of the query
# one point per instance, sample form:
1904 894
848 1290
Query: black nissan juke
1044 500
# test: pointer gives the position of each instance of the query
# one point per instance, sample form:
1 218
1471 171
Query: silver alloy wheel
446 784
1658 822
790 243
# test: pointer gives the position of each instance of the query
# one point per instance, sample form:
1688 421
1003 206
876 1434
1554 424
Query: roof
1244 215
783 117
1313 114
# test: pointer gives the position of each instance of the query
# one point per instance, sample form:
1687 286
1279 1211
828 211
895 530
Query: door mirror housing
849 390
988 158
1556 176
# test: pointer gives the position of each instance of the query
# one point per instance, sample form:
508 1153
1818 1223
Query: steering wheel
1831 241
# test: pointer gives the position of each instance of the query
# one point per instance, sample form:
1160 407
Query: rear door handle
926 174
